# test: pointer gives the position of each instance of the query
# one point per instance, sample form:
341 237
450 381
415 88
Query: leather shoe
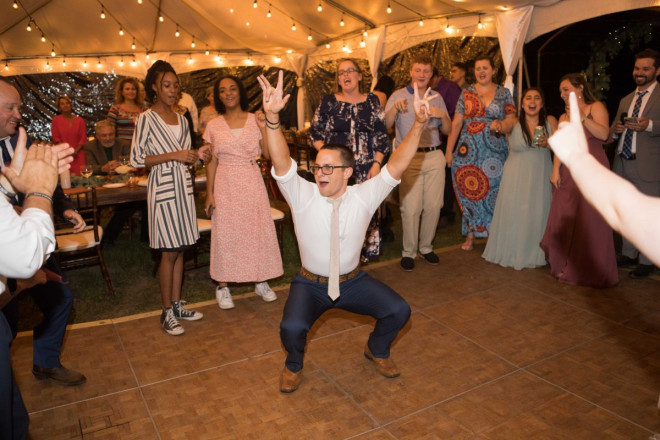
623 261
385 366
642 271
289 381
59 375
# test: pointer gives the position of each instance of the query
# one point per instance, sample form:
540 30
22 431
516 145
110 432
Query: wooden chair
82 249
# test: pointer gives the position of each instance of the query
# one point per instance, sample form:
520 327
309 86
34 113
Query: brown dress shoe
385 366
289 381
59 375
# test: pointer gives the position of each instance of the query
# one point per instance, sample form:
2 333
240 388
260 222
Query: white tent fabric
512 28
237 33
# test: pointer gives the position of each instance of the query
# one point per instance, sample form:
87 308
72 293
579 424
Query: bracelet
7 193
272 125
380 164
38 194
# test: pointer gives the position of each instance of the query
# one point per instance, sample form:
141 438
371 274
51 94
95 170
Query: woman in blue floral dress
484 115
356 119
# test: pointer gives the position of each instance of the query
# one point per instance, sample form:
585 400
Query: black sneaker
407 264
642 271
623 261
431 258
180 312
169 322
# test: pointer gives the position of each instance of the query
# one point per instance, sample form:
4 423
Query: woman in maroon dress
577 242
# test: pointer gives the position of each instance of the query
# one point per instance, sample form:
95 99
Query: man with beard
637 126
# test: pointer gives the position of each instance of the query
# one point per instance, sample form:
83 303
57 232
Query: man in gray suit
104 153
637 126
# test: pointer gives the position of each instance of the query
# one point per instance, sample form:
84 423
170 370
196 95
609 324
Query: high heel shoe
469 243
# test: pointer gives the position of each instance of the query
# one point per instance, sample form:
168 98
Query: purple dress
577 242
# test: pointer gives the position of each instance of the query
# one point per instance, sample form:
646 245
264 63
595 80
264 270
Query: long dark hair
527 131
242 93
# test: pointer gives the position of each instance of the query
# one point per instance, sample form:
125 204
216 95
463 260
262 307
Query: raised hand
569 140
421 105
274 102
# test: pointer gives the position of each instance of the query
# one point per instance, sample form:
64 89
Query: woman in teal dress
523 202
484 115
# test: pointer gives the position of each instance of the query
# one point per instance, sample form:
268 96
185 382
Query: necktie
626 150
333 279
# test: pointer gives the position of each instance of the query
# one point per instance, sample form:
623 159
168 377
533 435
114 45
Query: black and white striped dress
172 214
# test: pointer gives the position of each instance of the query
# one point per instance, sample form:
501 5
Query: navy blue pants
363 294
13 415
55 301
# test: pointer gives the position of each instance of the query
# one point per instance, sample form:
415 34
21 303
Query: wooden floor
489 353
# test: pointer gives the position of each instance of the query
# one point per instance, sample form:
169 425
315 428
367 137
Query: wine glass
87 172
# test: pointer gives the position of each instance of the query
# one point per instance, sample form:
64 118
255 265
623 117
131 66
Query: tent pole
538 54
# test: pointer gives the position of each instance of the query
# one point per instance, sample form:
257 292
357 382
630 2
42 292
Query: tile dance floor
489 353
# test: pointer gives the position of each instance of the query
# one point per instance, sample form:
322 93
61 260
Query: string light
43 38
121 62
293 26
189 60
139 2
133 45
254 4
177 33
247 23
98 64
389 7
102 13
63 62
47 64
327 45
121 31
480 25
365 33
341 23
421 22
319 7
15 5
207 52
277 60
193 42
309 37
147 56
269 14
6 65
161 18
29 27
85 63
362 43
52 51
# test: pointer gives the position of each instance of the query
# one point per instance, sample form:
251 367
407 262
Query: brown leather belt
428 149
324 280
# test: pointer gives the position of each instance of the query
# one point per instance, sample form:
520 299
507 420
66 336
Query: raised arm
405 151
274 102
627 210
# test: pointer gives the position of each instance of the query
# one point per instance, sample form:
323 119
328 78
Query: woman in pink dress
244 245
69 128
578 242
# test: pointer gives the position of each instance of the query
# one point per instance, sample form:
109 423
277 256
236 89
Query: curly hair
159 68
119 88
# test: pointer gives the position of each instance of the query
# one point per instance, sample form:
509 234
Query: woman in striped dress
162 142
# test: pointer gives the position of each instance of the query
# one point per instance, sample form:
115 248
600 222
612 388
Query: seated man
330 221
104 155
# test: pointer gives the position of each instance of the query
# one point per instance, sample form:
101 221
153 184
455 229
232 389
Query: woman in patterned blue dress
353 118
485 114
162 142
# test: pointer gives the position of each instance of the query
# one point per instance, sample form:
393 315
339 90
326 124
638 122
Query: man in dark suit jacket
104 153
638 154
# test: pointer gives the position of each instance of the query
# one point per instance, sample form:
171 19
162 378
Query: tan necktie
333 279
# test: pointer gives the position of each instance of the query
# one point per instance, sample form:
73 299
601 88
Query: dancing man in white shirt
331 246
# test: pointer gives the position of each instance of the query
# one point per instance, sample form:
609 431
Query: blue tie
626 150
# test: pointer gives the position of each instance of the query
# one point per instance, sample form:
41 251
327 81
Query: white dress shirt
311 217
26 241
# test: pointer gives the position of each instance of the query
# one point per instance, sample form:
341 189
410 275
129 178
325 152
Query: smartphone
632 120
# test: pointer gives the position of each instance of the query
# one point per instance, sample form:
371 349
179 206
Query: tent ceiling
74 27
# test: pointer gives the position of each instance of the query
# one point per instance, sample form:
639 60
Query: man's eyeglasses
346 72
326 169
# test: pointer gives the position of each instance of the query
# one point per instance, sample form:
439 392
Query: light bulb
319 7
177 33
421 22
269 14
121 31
102 14
254 4
293 27
161 18
43 38
29 26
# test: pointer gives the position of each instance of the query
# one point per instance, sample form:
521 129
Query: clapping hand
569 141
421 105
274 102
